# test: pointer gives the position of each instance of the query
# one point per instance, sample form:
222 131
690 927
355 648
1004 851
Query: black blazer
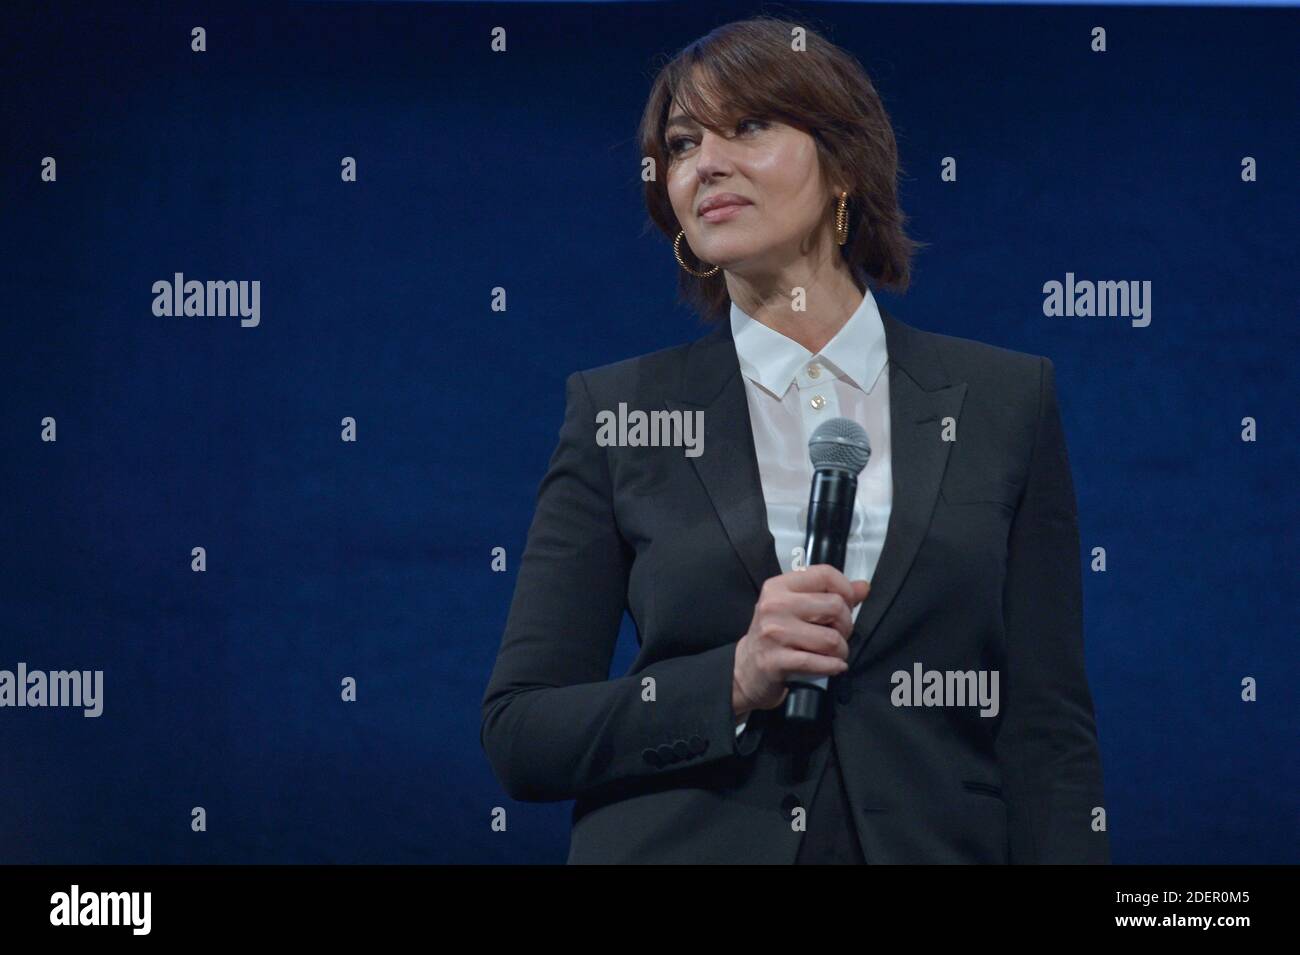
980 570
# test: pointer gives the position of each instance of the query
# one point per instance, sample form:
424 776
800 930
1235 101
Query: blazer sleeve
554 725
1047 741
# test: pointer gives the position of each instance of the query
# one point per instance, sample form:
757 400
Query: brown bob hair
748 68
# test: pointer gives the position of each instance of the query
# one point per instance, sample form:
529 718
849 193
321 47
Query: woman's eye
679 143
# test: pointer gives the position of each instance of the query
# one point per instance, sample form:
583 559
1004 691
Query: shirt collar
856 353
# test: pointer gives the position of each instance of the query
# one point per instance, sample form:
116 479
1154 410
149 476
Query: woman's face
770 165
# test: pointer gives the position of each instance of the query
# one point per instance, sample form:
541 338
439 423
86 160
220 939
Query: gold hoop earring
677 251
842 220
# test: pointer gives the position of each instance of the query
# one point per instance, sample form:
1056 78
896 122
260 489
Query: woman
959 725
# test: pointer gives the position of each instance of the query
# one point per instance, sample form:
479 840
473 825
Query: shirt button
814 371
818 402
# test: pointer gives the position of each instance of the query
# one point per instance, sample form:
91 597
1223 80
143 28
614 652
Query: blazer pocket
983 789
980 491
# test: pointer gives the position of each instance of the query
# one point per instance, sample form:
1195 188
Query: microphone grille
839 443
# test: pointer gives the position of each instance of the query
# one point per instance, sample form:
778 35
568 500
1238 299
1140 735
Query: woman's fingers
813 638
829 609
800 661
820 578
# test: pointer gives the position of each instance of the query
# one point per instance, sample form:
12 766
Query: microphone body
830 516
839 450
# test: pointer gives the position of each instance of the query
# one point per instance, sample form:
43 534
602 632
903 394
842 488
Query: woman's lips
723 213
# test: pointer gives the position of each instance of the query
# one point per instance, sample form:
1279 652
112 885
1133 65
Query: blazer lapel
728 467
920 396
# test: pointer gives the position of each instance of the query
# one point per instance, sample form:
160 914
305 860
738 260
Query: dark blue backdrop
372 560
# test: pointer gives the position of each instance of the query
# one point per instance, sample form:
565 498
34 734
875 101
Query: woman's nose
713 155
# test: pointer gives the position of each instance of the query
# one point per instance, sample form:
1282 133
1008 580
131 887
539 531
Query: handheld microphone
839 450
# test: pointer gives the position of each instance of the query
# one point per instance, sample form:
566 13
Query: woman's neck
826 306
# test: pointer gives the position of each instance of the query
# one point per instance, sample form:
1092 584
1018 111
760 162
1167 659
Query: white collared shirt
790 392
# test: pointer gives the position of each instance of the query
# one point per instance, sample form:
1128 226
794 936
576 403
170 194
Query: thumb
860 590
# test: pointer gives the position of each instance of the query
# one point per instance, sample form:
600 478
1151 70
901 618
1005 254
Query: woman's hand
802 623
